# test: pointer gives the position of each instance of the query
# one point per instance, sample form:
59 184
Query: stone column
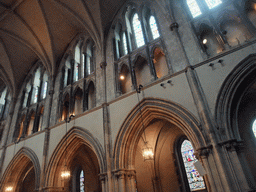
121 176
131 180
107 132
103 182
6 133
47 113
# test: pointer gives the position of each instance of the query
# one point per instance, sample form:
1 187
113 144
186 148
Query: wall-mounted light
122 77
204 41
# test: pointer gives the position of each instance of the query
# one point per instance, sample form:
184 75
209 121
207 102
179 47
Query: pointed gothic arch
153 108
76 138
24 160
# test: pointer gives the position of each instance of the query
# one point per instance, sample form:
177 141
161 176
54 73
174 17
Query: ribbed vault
42 29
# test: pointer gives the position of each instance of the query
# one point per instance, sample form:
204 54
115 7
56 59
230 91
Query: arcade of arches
128 96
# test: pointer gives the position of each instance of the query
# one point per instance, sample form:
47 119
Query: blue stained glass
138 31
194 8
82 181
254 128
213 3
153 27
196 182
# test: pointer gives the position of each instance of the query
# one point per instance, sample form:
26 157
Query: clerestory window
213 3
194 8
138 31
153 27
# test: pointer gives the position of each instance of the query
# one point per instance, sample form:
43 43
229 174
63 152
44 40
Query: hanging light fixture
65 174
147 150
9 188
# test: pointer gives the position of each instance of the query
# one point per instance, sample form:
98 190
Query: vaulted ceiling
42 29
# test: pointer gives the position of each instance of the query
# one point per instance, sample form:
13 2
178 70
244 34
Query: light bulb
204 41
122 77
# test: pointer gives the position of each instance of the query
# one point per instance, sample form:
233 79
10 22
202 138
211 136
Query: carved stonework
232 145
203 153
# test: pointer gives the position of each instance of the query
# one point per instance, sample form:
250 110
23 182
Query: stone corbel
203 153
232 145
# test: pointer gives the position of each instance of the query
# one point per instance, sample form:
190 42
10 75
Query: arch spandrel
71 142
153 109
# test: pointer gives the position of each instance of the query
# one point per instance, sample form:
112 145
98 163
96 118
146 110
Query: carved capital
232 145
120 174
203 152
131 174
102 177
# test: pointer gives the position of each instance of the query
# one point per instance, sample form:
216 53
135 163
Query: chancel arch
155 124
23 172
78 150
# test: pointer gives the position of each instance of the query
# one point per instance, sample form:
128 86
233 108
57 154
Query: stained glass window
254 128
44 86
195 181
36 94
89 60
82 181
138 30
36 85
213 3
194 8
44 89
82 65
2 99
125 44
76 71
153 26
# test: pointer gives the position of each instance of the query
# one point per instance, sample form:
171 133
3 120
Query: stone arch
75 138
243 72
235 113
17 166
151 109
